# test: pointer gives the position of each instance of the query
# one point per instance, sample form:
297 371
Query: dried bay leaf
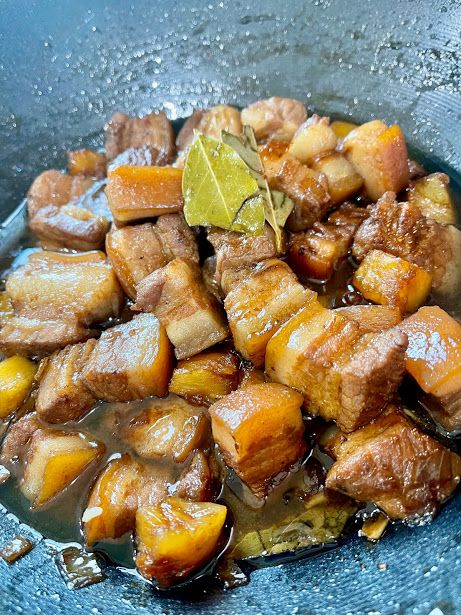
217 188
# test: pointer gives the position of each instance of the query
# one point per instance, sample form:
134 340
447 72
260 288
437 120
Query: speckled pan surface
65 67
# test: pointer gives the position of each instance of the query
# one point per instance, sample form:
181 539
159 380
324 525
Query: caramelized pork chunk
17 439
177 295
62 394
31 337
274 118
343 179
69 226
136 192
130 361
176 538
155 129
234 250
344 374
86 162
122 486
256 308
177 238
16 378
55 285
55 188
53 461
259 430
197 482
431 195
379 155
307 188
401 229
392 463
168 427
372 318
313 139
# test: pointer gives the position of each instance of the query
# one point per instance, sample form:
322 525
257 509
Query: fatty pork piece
130 361
199 480
53 460
345 375
168 427
260 432
257 307
401 230
372 318
87 162
155 130
144 156
33 337
234 250
431 194
122 486
274 118
390 462
176 538
62 394
54 285
69 226
177 295
136 251
210 123
315 253
55 188
17 439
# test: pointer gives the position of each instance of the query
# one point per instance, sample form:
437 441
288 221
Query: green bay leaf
217 188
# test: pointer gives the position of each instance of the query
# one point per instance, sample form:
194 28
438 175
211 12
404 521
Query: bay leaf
217 188
277 205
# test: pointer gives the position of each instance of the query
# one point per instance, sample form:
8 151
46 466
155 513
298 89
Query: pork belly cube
130 361
400 229
168 427
62 395
393 464
372 318
69 226
16 441
31 337
55 188
177 238
135 192
219 118
54 460
54 285
344 375
313 139
198 482
193 324
343 179
274 118
155 130
134 252
307 188
431 195
390 280
176 538
259 430
206 377
16 377
235 250
379 155
260 304
87 162
123 485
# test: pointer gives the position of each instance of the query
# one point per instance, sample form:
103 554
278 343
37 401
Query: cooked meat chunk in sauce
275 117
87 162
55 188
393 464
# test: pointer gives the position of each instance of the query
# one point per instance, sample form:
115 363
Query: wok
65 67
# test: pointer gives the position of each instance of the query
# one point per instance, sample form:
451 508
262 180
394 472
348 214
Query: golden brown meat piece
62 395
344 374
259 430
308 189
431 194
177 238
393 464
69 226
274 118
197 482
86 162
169 428
54 285
144 156
206 377
130 361
155 129
256 308
401 229
33 337
313 139
343 179
55 188
234 250
372 318
177 295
